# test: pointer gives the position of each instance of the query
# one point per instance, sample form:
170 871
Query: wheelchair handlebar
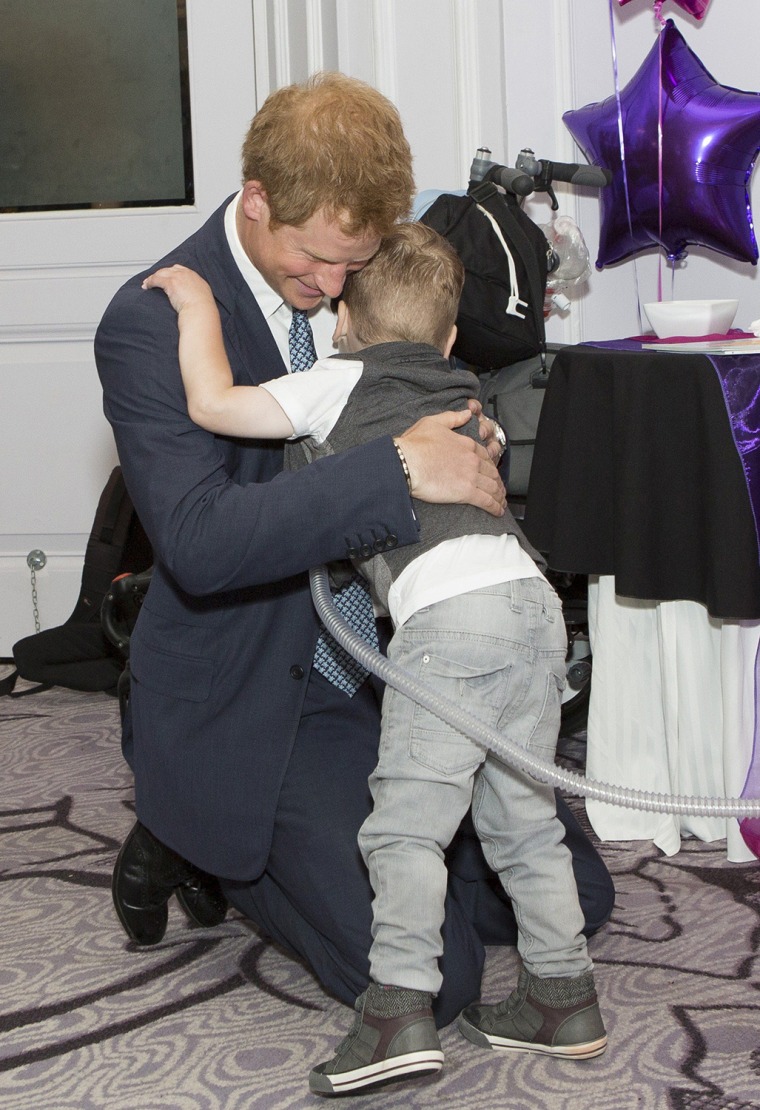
120 606
531 174
573 172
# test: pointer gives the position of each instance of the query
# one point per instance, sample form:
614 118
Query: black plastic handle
513 180
576 174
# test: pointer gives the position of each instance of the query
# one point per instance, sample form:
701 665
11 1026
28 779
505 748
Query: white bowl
670 318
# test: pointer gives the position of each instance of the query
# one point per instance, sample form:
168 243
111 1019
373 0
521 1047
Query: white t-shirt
313 401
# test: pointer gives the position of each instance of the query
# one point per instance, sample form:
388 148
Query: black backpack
77 654
506 258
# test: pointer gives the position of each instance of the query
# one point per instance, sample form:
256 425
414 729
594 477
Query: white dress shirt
277 313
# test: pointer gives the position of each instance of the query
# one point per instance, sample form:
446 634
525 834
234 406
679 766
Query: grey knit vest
400 383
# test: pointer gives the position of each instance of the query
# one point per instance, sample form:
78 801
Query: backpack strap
7 683
105 547
498 205
7 687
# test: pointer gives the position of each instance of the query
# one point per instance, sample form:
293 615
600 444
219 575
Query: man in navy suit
248 763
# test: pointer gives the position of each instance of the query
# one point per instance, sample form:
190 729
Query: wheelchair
119 611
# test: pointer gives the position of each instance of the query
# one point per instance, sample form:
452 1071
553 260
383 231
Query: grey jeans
500 653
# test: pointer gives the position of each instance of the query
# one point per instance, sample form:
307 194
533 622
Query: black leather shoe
146 875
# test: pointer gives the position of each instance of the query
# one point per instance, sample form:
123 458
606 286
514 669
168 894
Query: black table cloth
636 474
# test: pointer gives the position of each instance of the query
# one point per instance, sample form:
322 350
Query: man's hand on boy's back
447 468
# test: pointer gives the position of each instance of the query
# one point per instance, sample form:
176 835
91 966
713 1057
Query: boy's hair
409 290
334 144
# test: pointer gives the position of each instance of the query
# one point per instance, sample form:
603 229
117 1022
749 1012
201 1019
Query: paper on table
746 346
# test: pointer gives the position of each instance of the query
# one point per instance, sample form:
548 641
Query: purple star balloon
697 8
710 139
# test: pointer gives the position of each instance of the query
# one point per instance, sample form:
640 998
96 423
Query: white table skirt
672 710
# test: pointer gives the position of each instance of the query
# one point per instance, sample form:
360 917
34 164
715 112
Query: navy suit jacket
221 653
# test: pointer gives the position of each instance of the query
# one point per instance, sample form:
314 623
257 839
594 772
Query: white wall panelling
466 68
293 38
440 61
385 46
57 452
58 270
57 590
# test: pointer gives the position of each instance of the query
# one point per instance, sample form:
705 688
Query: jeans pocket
533 722
438 745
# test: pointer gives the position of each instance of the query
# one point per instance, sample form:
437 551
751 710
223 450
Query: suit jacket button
296 671
365 551
379 545
352 553
391 540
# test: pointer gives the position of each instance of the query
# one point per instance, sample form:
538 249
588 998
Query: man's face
302 264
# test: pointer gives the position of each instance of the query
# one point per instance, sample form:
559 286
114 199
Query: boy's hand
182 286
494 445
448 468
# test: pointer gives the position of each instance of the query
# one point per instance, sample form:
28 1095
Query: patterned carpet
222 1020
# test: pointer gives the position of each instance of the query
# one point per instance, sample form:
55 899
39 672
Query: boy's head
408 292
331 145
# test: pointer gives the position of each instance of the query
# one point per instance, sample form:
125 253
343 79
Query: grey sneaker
393 1037
555 1017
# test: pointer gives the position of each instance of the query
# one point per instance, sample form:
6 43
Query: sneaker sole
410 1065
585 1051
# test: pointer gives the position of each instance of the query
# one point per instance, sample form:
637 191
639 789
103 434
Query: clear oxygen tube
539 769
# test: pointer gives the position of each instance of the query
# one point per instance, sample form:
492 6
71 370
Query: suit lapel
247 332
252 351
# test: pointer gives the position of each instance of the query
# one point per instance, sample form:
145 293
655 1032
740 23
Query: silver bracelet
499 435
404 464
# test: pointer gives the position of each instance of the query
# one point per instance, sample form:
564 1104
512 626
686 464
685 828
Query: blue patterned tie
352 600
303 354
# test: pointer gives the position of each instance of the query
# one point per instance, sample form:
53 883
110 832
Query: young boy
477 622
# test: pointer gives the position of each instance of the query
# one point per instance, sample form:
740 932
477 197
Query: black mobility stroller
509 262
